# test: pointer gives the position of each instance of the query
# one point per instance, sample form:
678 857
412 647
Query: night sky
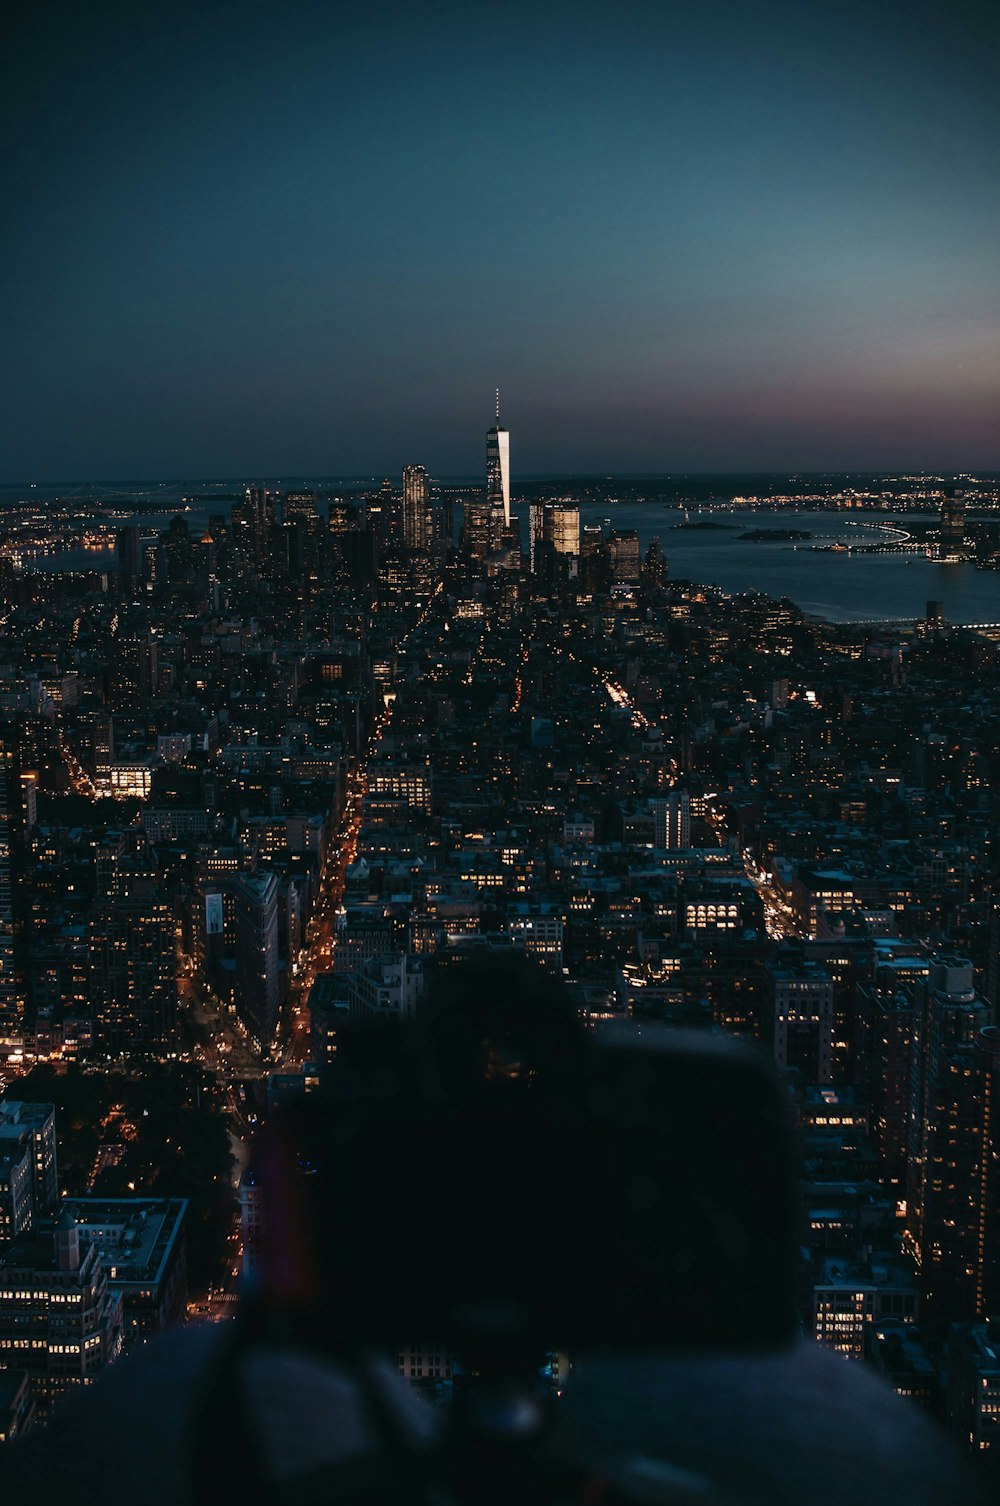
276 240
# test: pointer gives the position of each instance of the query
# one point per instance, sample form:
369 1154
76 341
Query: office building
132 669
538 929
426 1366
595 560
416 508
129 554
16 1204
409 783
386 987
671 821
800 1020
133 961
258 983
973 1397
948 1178
986 1071
562 527
498 473
536 532
897 1352
850 1295
59 1319
252 525
259 503
329 1008
480 530
37 1121
952 520
141 1245
103 744
14 936
556 525
885 1029
301 506
991 982
625 556
820 897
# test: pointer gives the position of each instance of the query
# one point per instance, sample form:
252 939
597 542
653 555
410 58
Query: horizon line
256 477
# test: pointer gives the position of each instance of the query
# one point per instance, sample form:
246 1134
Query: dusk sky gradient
288 240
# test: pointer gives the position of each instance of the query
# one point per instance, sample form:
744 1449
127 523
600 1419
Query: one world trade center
498 475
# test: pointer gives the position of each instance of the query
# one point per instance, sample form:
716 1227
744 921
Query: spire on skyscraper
498 469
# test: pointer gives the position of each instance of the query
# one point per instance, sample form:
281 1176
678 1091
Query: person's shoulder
130 1429
143 1427
798 1425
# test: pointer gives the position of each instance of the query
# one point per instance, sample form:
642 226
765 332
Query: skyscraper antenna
498 407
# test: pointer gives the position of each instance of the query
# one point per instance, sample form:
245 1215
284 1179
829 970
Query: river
837 585
840 586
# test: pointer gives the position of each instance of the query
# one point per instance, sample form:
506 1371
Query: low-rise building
897 1352
801 1019
851 1294
141 1243
59 1318
385 986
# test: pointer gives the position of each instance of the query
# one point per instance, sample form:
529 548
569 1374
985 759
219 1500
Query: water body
838 586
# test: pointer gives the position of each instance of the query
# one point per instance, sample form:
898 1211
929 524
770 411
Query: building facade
498 471
416 508
258 982
59 1319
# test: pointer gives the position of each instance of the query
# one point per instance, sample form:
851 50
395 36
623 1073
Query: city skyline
287 760
592 868
736 238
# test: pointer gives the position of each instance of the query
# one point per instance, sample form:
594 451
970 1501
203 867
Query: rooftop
13 1111
134 1236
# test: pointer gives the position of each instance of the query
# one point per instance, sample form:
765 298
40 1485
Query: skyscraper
131 668
556 524
416 508
536 532
672 821
498 471
562 527
104 749
948 1180
260 509
623 545
13 928
133 966
128 548
952 519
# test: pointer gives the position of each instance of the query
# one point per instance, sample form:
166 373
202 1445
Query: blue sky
265 239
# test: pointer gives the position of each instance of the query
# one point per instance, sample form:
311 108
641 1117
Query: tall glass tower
416 515
498 471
